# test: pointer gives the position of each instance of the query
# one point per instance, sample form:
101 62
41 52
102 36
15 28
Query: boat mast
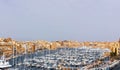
3 57
25 52
13 55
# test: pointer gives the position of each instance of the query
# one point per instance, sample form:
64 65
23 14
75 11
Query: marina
60 59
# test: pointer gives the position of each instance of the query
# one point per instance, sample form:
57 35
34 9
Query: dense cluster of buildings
7 45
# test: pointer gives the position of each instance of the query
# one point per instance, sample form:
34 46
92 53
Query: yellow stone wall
32 46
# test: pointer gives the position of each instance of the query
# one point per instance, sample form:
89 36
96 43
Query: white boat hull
5 66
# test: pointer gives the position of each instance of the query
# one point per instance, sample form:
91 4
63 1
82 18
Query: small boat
38 65
4 64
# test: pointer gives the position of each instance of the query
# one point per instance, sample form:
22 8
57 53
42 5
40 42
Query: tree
112 54
1 52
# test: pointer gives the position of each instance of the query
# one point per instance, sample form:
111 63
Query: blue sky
82 20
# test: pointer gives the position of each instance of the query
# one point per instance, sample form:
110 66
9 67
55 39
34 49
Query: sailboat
3 63
14 57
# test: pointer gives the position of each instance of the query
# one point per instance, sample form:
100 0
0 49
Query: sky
82 20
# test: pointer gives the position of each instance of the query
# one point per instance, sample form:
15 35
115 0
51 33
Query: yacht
3 63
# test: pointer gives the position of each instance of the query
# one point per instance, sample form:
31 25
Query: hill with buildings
8 45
